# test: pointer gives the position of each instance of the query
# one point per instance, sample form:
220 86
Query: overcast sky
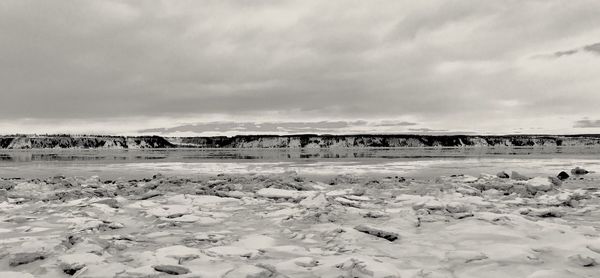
230 67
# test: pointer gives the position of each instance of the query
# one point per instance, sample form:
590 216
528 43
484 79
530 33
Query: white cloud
448 65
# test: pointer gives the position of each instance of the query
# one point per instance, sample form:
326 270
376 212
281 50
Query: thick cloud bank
480 66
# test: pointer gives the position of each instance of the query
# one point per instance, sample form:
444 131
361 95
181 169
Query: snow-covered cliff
82 142
383 141
294 141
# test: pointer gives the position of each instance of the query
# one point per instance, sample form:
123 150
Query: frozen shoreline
290 225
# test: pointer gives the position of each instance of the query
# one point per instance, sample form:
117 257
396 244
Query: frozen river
416 162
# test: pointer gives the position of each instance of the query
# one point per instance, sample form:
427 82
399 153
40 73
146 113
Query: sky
286 67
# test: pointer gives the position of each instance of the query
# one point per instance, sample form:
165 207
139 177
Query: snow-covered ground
294 225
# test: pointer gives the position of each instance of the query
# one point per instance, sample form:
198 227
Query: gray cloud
426 130
586 123
392 123
595 48
592 48
566 52
429 131
280 127
445 64
289 127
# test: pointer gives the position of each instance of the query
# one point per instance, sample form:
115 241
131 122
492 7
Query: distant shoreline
293 141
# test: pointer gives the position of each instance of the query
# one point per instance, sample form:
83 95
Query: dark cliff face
384 141
5 142
77 142
151 142
293 141
82 142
